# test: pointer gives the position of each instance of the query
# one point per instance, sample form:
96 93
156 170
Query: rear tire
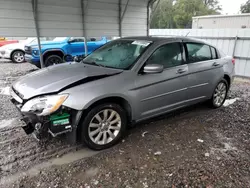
53 60
103 126
17 56
219 94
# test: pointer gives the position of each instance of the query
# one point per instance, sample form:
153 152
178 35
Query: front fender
54 49
82 103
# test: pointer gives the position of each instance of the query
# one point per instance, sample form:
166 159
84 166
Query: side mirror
153 68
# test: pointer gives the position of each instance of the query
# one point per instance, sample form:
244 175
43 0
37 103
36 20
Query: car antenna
187 34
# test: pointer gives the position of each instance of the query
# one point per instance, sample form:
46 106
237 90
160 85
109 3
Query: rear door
205 71
164 91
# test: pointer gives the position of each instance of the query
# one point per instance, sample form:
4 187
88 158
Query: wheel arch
15 50
53 52
113 99
228 79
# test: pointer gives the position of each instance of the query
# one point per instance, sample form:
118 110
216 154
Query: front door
164 91
205 70
76 46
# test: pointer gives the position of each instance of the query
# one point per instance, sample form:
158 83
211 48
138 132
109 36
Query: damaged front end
46 114
40 96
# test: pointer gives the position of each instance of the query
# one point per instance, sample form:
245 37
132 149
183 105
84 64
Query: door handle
180 71
216 64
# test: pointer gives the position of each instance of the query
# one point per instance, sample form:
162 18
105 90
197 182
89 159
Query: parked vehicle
54 51
123 82
5 42
15 51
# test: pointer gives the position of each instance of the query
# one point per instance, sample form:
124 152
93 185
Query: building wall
223 39
16 18
64 18
60 18
135 19
221 22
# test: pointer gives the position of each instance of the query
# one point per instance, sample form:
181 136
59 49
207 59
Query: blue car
54 51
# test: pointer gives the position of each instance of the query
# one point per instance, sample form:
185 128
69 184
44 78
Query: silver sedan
123 82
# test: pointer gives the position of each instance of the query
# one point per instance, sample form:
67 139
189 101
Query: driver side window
77 39
169 55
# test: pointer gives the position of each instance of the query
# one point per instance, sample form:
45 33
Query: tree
245 8
179 13
212 5
163 13
186 9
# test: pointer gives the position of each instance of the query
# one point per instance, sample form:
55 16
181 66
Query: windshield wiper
93 63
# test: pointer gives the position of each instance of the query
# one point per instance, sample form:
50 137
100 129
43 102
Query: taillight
233 61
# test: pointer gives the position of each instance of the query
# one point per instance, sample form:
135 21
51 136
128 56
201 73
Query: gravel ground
193 147
17 150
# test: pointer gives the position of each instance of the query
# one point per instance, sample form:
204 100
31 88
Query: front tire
18 56
219 94
104 126
53 60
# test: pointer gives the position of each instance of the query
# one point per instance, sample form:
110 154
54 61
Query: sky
231 6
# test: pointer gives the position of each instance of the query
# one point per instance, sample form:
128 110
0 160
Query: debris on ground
206 154
199 140
230 102
143 134
157 153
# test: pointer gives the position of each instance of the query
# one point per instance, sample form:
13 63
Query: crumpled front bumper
32 123
39 126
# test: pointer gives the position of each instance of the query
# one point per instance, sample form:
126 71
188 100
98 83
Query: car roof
164 38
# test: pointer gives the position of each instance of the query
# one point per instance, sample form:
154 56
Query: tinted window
198 52
214 53
168 55
77 39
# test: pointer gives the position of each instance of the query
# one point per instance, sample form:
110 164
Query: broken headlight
45 105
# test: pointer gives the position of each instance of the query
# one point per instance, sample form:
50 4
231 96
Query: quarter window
169 55
198 52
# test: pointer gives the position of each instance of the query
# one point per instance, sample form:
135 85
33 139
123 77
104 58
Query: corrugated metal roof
64 18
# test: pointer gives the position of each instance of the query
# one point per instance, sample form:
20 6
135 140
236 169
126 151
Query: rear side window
168 55
198 52
214 53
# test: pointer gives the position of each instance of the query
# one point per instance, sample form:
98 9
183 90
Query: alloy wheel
220 94
19 57
104 127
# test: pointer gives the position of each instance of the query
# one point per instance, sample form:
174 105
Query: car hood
58 78
14 46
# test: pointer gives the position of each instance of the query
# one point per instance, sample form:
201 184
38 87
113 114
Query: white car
15 51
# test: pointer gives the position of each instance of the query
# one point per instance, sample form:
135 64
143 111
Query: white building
222 22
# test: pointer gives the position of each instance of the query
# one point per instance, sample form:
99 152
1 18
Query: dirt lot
194 147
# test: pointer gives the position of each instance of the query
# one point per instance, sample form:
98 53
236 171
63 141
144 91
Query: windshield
119 54
59 39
